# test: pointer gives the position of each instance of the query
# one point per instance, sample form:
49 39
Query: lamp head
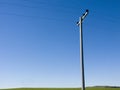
87 10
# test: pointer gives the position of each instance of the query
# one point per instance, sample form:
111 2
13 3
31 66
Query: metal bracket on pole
82 17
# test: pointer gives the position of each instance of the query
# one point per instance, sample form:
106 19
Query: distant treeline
108 86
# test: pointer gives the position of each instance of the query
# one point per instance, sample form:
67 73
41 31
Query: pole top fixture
83 17
87 10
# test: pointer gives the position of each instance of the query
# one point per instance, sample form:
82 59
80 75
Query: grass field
94 88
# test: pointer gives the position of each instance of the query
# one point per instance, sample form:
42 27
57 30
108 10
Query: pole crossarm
82 17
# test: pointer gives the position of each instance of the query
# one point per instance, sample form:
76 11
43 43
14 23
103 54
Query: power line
18 5
39 5
33 17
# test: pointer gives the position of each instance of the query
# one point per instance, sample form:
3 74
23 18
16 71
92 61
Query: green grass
92 88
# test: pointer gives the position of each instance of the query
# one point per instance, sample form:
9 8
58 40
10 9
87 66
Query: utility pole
81 47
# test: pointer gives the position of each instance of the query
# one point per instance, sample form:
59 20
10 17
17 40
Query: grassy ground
95 88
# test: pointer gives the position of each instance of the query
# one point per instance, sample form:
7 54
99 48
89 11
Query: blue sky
39 43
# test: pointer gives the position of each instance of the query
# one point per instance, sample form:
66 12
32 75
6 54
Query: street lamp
81 47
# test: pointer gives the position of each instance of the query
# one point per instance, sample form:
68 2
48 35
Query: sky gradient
39 43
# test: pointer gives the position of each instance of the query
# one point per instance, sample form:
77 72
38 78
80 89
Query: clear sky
39 43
